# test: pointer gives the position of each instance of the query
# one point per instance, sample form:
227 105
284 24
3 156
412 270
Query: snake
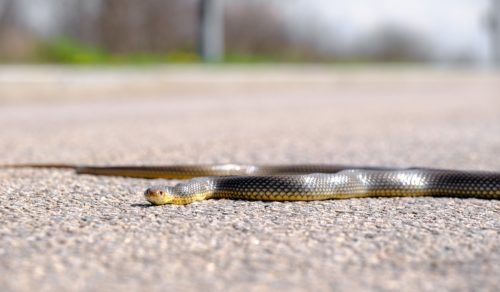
307 182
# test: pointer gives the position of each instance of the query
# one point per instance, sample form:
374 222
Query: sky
452 25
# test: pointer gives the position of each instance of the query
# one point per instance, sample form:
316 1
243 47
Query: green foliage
182 57
248 58
66 51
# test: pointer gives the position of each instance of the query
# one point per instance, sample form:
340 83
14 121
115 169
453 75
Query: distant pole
211 30
495 33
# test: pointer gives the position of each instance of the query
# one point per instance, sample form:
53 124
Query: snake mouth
157 196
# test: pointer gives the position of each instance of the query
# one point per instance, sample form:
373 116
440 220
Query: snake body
349 183
298 182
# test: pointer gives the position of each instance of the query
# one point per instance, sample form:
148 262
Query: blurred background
448 32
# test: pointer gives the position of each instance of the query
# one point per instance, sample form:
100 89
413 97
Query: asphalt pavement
68 232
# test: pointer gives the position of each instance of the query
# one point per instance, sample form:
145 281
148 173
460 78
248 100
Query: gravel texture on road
68 232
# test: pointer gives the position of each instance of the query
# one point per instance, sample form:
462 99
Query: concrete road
61 231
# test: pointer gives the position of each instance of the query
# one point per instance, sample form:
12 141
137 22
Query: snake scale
297 182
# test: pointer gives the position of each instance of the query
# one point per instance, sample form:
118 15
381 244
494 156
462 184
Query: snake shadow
141 205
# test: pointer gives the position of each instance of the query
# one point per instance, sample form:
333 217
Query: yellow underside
283 196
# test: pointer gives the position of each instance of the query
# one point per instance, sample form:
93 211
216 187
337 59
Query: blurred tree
80 20
16 42
254 27
211 30
261 28
392 44
7 14
494 27
149 25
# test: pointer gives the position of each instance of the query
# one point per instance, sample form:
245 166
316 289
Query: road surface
61 231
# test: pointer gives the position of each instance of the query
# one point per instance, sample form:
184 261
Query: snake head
159 195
